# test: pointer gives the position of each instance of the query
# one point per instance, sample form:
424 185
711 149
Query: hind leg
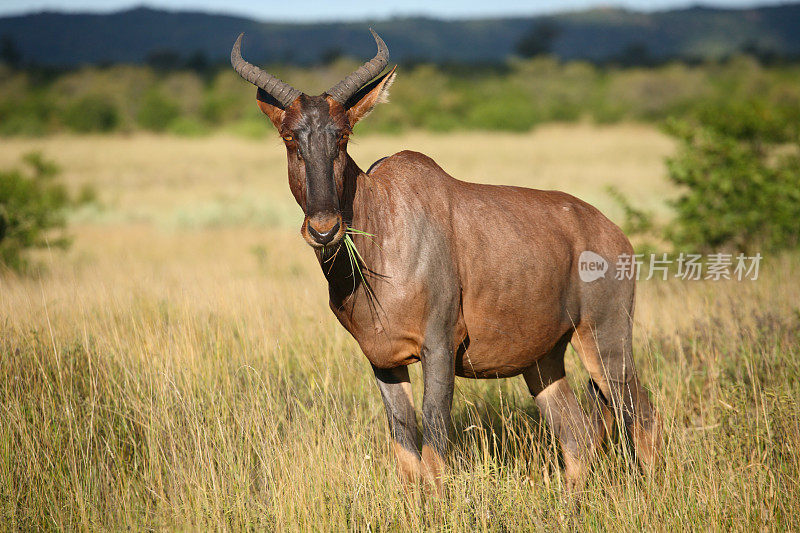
606 352
602 417
556 401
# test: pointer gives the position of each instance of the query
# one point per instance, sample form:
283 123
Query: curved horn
284 93
342 91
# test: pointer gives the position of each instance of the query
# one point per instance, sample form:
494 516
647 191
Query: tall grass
171 378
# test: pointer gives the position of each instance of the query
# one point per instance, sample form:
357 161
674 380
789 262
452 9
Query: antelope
471 280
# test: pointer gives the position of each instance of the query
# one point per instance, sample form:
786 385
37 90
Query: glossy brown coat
508 255
472 280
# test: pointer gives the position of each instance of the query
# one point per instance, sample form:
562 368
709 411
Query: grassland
178 368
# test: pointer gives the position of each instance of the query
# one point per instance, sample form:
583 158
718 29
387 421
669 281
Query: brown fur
472 280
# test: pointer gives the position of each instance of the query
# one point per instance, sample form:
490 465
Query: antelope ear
270 107
375 92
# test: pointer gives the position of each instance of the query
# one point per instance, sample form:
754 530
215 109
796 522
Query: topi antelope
472 280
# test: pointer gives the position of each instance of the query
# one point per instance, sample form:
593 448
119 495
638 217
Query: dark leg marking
395 387
606 352
548 384
438 367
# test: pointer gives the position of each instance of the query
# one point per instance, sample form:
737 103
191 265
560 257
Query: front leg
438 367
395 387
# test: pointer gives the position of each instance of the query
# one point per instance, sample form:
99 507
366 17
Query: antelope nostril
323 238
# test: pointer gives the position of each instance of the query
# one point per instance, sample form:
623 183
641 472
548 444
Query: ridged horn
281 91
342 91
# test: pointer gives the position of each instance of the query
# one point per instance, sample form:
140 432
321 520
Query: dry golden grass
178 368
183 181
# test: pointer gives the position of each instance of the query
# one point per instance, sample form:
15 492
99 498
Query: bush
188 127
91 114
738 192
32 204
737 95
157 111
215 109
511 114
751 119
28 115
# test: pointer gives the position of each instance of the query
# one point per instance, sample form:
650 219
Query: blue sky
358 9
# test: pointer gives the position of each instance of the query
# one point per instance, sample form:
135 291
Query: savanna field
178 367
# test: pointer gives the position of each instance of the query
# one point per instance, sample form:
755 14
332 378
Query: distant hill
58 39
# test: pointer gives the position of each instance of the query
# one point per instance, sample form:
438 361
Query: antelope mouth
323 236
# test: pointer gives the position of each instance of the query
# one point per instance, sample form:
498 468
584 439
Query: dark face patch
315 131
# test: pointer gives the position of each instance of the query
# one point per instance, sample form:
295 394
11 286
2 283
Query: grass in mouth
356 260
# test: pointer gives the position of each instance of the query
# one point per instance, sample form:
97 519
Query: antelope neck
355 205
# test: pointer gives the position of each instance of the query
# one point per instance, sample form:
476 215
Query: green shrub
156 111
252 128
512 114
216 108
32 205
188 127
87 194
91 114
607 113
751 118
29 115
737 192
635 221
737 96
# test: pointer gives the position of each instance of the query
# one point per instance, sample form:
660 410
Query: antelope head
315 130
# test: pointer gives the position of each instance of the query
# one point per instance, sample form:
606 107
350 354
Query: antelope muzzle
323 229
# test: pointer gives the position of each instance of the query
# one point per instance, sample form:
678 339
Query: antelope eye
288 138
